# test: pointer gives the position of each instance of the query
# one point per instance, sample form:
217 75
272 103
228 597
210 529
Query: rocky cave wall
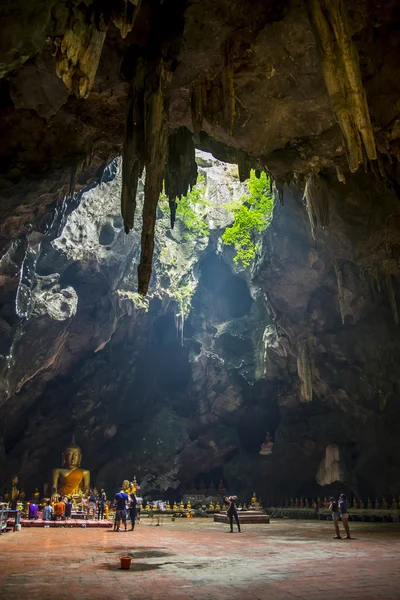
178 409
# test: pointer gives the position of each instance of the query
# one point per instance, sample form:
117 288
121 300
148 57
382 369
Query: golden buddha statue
211 506
369 505
384 503
15 487
218 507
36 496
70 479
181 506
168 506
189 506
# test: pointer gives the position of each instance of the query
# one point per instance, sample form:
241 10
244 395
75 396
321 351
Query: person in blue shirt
120 501
344 515
48 512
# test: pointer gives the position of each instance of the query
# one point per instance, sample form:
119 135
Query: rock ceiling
292 87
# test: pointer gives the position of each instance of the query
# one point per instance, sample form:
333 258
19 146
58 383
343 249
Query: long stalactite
342 76
156 140
181 169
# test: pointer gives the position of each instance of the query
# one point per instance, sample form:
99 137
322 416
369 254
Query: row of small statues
356 504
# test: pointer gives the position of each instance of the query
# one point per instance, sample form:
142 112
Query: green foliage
252 214
191 208
183 295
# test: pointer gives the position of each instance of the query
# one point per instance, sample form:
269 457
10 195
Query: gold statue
70 479
369 505
189 506
218 507
175 507
36 496
14 487
168 507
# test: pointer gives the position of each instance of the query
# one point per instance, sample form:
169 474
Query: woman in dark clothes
101 505
229 502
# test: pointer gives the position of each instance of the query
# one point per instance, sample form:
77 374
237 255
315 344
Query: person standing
132 510
230 505
91 510
344 515
101 504
68 509
120 501
333 507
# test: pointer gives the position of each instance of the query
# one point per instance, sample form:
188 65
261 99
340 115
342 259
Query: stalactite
342 76
339 280
156 139
133 154
198 104
317 201
181 170
244 166
79 53
124 15
228 87
304 372
392 298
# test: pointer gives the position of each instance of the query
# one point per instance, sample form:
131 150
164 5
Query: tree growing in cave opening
252 214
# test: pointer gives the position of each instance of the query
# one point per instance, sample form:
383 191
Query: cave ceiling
293 87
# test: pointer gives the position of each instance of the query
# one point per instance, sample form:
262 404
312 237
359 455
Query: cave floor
199 560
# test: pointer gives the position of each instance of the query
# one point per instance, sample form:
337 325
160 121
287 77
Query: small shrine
266 446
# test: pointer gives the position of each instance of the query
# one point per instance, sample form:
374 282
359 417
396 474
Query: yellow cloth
71 482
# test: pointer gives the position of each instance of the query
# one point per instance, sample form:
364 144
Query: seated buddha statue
71 479
266 446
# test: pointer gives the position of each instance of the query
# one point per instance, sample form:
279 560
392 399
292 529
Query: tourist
33 511
47 512
68 508
101 504
230 505
132 510
333 507
344 515
59 509
91 507
120 501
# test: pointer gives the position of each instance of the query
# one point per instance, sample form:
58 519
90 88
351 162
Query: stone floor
199 560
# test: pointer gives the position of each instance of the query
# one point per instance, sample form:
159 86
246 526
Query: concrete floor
199 560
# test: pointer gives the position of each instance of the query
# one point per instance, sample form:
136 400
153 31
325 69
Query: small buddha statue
168 506
181 506
307 503
297 503
301 505
254 498
393 506
291 505
36 496
148 507
377 504
71 479
15 487
211 506
22 494
218 507
175 507
354 505
384 503
134 485
369 504
266 446
361 505
240 506
245 506
221 487
189 506
326 502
